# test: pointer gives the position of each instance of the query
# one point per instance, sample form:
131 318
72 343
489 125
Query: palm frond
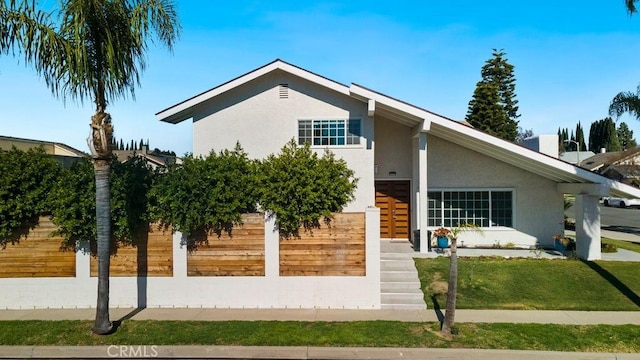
626 102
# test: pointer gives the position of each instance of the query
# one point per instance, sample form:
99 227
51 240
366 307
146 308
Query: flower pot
443 242
557 244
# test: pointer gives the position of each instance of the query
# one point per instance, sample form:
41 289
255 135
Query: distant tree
603 134
523 134
157 152
625 135
580 138
121 146
493 107
141 144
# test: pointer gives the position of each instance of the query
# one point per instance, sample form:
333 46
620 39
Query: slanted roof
613 157
420 120
51 147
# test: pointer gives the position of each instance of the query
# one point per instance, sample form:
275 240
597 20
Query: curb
295 352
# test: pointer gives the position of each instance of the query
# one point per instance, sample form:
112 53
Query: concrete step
394 247
395 256
402 298
398 276
397 265
400 287
403 306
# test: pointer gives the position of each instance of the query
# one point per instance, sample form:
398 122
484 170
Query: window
329 132
485 208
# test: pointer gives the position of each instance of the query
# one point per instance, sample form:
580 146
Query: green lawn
600 338
541 284
621 244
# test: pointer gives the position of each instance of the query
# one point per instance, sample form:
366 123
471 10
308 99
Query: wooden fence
335 250
241 254
153 256
338 250
38 255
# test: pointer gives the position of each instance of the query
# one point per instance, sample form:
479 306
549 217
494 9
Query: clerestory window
329 132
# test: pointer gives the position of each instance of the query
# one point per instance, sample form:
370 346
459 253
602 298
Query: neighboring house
64 154
152 159
421 169
598 161
628 174
576 157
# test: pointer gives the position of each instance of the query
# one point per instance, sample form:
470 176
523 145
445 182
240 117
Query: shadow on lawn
624 289
436 308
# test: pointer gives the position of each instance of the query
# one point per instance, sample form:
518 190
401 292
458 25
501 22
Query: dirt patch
438 286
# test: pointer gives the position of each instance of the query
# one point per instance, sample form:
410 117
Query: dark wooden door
393 197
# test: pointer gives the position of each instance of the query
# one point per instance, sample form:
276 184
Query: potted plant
563 243
442 237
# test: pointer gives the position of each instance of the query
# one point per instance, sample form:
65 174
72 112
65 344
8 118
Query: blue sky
570 58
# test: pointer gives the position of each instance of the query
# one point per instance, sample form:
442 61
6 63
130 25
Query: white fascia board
184 110
393 104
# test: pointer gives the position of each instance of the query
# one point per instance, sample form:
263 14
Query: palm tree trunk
452 291
102 168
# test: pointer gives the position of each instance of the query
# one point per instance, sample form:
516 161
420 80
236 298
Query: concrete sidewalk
427 315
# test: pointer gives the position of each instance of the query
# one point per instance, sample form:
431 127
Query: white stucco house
421 169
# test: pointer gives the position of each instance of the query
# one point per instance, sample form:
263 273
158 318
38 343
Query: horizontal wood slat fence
152 257
38 255
335 250
241 254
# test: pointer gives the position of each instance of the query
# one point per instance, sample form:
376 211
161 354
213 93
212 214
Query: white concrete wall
254 115
269 291
538 213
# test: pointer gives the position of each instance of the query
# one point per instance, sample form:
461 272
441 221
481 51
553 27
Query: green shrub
300 189
205 195
74 203
608 248
26 179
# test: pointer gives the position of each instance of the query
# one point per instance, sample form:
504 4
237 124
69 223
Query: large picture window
329 132
484 208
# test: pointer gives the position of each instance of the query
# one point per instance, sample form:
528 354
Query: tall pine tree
493 107
625 135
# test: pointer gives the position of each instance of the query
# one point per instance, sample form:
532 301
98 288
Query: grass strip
592 338
621 244
533 284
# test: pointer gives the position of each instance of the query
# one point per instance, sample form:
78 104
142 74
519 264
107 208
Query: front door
392 197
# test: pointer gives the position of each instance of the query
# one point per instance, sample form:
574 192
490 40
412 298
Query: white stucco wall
269 291
393 149
538 213
254 115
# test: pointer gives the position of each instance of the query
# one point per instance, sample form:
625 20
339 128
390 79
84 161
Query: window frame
346 127
490 208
